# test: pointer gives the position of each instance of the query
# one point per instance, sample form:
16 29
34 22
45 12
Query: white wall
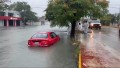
16 13
1 23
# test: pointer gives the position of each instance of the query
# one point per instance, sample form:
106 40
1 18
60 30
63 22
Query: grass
76 45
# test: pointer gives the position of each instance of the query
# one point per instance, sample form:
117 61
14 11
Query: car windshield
95 21
40 35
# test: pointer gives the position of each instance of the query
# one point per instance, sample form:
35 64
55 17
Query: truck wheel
100 28
90 27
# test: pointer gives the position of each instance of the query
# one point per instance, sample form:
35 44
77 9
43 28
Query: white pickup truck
94 23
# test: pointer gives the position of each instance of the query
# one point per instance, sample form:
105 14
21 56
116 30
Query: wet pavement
100 49
15 53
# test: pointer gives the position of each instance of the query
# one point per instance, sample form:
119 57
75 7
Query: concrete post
7 23
14 22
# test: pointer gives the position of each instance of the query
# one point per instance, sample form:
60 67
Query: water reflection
14 52
119 33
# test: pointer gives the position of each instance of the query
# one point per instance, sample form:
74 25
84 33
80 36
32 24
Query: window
53 35
2 13
40 36
10 14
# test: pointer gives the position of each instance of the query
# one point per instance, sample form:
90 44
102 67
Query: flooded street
15 53
100 49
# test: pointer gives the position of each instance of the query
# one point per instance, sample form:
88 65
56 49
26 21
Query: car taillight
29 42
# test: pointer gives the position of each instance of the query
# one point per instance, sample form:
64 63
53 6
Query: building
42 20
10 18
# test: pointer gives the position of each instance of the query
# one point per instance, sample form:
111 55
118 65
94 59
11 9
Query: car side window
53 35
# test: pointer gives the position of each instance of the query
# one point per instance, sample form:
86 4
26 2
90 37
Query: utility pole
119 22
119 17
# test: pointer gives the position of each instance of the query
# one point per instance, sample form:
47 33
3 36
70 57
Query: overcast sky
39 6
114 6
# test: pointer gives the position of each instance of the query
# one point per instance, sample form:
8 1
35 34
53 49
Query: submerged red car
43 39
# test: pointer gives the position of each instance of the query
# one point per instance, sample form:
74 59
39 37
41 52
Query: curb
79 61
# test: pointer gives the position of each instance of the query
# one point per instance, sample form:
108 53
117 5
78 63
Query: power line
115 4
118 9
115 7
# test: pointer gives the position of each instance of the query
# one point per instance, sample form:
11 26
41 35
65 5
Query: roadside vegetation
68 12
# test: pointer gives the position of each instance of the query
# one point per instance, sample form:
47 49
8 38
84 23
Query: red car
43 39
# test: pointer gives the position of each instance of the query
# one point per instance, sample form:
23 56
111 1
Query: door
53 37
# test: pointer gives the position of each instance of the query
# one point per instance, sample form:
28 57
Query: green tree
25 11
107 19
3 5
118 18
115 17
110 18
65 12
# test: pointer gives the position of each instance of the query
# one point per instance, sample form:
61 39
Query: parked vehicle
43 39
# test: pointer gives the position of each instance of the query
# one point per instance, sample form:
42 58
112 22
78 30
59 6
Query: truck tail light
91 24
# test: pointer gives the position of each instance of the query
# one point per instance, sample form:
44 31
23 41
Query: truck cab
94 23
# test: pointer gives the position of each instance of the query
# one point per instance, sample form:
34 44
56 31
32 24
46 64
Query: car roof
44 32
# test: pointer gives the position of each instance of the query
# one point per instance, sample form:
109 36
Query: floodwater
15 53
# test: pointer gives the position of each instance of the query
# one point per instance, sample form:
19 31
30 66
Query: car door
53 39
